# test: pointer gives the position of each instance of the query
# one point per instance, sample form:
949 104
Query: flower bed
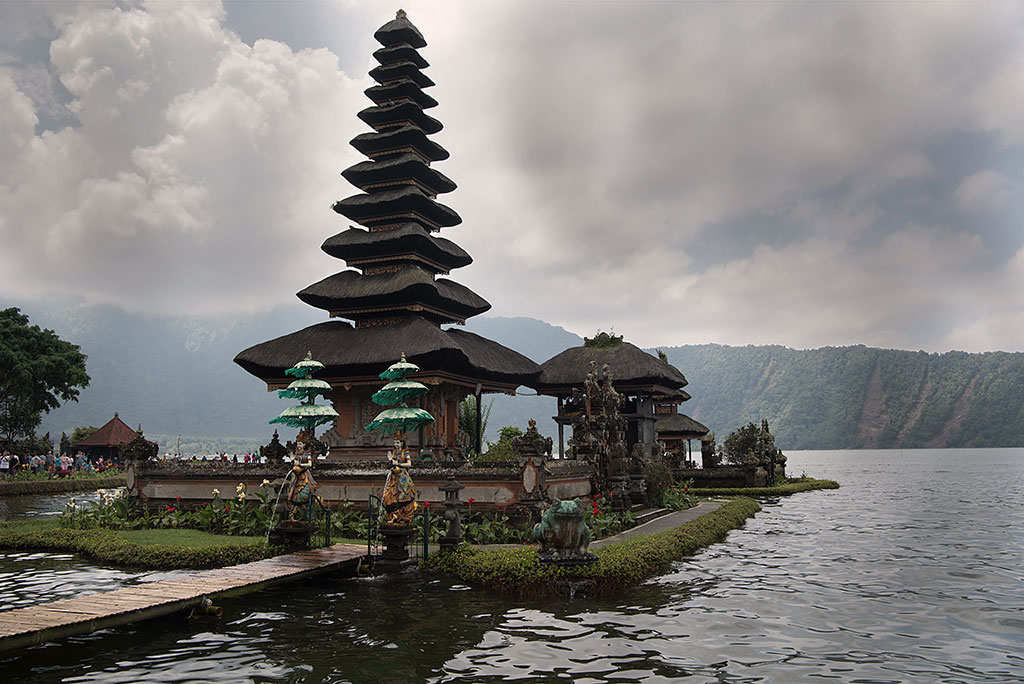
518 570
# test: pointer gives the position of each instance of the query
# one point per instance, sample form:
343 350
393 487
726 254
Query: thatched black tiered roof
410 242
679 425
632 370
349 352
395 297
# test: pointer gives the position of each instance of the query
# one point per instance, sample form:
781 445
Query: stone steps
649 514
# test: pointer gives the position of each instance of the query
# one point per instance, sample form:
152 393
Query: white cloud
984 191
601 150
200 177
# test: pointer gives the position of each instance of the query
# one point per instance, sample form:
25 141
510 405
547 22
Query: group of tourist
61 465
222 457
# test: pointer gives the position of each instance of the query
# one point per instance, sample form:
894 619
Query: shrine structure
393 300
675 430
638 377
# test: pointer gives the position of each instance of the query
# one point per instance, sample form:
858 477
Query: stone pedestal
293 535
396 549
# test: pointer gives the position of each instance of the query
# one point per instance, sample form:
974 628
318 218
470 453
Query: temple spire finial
400 14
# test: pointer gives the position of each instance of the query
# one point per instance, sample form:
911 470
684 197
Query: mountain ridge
175 375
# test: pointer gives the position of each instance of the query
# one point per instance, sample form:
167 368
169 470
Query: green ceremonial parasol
400 418
399 370
307 415
305 368
304 388
398 391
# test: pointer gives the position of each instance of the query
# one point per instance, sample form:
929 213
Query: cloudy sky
793 173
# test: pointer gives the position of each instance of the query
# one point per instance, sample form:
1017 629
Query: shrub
44 485
792 486
659 480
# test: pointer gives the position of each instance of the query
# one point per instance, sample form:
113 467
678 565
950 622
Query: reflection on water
911 572
47 505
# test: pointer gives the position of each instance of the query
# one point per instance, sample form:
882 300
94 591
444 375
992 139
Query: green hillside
858 397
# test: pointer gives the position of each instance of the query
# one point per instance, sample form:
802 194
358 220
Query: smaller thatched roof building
633 370
107 441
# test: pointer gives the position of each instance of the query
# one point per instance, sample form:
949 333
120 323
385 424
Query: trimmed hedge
107 546
84 484
518 570
782 490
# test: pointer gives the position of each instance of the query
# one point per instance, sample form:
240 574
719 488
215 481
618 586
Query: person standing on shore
5 465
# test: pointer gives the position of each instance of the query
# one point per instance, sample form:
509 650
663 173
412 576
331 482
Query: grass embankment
781 490
168 549
57 486
518 570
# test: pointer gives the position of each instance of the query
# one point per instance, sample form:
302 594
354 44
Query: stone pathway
665 522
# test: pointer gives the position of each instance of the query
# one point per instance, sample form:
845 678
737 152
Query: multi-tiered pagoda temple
392 298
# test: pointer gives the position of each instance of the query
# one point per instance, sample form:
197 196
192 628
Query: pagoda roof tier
633 370
679 425
399 30
405 169
386 73
676 397
400 114
404 90
409 242
395 207
353 295
395 141
402 52
355 353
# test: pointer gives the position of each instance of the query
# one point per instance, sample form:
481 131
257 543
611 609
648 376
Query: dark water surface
913 571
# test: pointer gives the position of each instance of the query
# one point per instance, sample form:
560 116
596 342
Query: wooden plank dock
83 614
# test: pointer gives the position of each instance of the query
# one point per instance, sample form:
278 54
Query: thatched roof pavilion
394 298
106 440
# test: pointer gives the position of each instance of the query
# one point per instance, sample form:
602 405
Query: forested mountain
176 376
858 397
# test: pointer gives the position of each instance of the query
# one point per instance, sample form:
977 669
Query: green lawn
193 538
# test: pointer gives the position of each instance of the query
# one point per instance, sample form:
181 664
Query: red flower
170 508
471 499
426 503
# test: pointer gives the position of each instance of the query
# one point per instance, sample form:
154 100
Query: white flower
240 488
241 496
216 492
265 483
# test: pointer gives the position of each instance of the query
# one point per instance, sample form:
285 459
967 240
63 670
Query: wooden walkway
83 614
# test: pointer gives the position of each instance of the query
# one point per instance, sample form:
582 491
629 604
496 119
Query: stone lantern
452 506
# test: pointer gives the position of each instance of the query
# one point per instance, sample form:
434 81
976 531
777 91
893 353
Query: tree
38 371
467 420
741 445
504 449
80 433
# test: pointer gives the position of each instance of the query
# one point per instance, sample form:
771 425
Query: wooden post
479 424
561 431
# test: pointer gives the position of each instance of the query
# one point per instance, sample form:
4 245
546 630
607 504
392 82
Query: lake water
913 571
